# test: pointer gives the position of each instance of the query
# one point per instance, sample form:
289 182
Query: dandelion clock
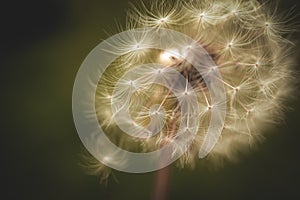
183 82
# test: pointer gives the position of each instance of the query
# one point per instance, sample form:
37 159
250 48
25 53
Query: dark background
42 46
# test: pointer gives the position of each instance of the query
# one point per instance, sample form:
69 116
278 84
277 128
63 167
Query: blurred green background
42 46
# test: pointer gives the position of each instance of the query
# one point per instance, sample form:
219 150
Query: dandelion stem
162 184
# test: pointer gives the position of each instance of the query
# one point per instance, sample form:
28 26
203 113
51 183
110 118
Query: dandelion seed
169 57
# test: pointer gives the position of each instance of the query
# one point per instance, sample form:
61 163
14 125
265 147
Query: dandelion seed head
244 42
